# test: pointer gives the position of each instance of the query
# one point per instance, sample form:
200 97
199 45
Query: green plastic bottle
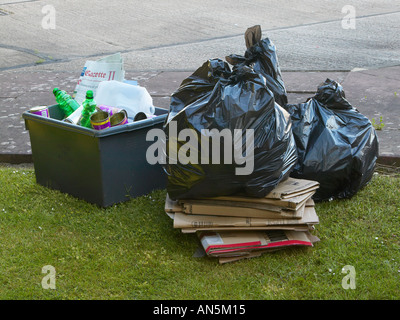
65 101
89 107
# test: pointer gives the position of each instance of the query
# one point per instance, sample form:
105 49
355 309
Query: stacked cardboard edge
236 227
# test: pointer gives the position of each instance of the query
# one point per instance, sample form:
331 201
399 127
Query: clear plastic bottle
65 101
89 107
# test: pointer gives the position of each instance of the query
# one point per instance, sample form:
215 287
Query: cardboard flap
252 35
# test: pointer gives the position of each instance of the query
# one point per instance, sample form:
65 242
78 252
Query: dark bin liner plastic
261 56
337 145
216 97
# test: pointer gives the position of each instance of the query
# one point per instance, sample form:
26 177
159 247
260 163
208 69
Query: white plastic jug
132 98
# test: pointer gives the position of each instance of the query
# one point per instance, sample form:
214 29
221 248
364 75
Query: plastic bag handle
252 36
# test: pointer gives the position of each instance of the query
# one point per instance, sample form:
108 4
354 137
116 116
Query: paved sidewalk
375 93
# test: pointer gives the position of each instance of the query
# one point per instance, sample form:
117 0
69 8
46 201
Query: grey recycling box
102 167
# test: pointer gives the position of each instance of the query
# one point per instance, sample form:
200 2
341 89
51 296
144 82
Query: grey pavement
375 93
162 42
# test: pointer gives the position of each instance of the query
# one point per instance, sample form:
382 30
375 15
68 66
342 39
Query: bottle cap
55 90
89 94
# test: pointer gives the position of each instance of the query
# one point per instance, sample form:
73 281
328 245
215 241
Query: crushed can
110 110
74 117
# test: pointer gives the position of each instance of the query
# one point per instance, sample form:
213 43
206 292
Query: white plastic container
132 98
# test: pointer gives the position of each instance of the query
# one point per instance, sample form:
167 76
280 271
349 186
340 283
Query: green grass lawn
131 251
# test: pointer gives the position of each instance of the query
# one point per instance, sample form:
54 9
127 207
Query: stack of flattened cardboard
236 227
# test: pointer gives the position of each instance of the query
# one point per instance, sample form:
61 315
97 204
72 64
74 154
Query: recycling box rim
130 126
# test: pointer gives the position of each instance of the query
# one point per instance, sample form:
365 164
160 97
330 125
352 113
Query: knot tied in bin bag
225 134
337 145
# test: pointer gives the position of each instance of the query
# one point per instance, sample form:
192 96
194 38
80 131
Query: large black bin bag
337 145
216 100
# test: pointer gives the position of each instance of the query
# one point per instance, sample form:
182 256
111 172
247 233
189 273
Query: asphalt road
180 35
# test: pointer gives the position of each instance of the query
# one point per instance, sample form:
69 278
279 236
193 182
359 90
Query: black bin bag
337 145
226 111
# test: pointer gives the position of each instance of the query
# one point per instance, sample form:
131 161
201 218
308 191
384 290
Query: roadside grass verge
131 251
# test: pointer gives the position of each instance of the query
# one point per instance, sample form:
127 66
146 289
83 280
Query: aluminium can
143 116
100 120
40 111
119 118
